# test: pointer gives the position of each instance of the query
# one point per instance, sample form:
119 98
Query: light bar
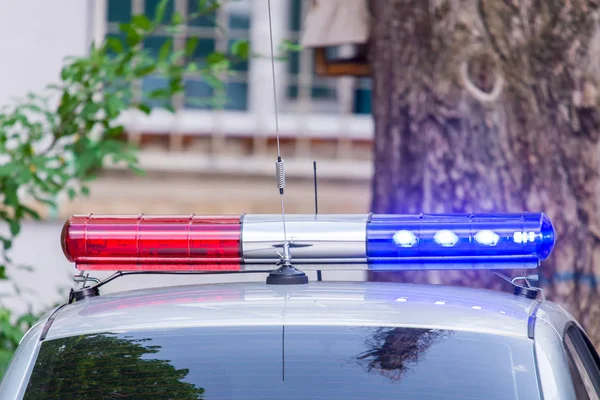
254 242
144 242
459 241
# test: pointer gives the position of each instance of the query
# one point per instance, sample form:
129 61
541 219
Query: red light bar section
144 242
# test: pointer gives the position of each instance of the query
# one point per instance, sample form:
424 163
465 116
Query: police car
287 338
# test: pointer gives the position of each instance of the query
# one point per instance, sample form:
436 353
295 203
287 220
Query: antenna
286 274
319 274
316 196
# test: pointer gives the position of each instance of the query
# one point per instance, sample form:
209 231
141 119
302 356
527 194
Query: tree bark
489 106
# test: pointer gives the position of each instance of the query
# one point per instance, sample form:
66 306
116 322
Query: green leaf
164 51
207 6
71 193
10 332
177 18
114 106
90 110
7 243
27 319
115 44
176 84
115 131
142 22
5 357
10 194
3 275
159 14
136 170
241 48
47 202
144 108
213 81
34 214
9 169
191 46
216 58
131 36
144 70
15 227
159 94
192 67
85 191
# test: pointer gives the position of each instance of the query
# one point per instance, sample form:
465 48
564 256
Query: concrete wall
36 36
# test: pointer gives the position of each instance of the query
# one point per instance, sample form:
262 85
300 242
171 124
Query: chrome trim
259 266
314 238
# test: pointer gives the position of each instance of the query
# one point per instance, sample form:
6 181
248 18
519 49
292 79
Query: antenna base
528 292
77 295
287 274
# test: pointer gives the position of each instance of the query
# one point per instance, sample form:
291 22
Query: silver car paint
362 303
17 375
367 304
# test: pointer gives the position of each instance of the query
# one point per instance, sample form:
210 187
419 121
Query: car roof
317 303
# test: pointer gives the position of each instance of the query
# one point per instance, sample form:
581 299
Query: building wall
36 36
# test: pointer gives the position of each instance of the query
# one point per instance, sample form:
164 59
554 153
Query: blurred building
200 153
205 160
200 159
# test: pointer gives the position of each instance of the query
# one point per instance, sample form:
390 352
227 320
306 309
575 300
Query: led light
487 237
405 238
518 237
97 242
440 302
460 241
446 238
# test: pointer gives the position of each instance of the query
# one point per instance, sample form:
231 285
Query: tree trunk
492 105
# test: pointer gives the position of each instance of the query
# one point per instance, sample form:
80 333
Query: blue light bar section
459 241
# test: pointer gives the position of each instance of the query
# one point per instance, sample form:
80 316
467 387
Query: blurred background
198 159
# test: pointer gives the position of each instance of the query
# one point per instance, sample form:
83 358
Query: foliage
11 333
55 142
106 366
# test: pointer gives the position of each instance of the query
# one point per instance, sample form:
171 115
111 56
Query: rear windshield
293 362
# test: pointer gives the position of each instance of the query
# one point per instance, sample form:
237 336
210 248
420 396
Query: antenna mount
286 274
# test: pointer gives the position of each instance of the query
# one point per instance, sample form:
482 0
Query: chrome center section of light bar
313 238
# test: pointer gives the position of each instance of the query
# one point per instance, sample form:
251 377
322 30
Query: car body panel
556 316
552 364
358 304
318 303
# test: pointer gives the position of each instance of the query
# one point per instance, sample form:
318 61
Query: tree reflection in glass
391 352
105 366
